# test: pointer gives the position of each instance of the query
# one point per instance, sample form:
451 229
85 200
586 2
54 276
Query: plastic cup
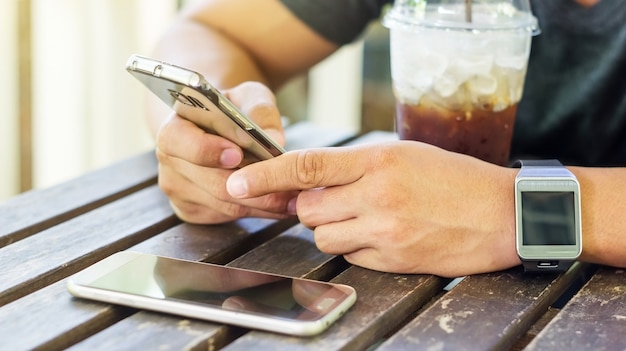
458 72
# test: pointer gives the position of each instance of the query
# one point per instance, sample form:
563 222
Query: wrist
602 213
502 245
509 250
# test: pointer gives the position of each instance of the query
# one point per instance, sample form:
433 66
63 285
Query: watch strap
542 168
546 265
538 163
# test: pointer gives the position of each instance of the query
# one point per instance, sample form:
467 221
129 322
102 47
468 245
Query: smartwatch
547 216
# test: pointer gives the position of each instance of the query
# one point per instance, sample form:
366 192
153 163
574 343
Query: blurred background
68 105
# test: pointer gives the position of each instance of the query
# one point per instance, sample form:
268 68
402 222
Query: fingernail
230 158
291 206
237 186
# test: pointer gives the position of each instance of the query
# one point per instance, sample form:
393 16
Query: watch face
548 219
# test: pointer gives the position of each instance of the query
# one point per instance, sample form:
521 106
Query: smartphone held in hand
193 98
215 293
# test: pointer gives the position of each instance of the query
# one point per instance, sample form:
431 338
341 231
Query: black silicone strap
547 265
537 163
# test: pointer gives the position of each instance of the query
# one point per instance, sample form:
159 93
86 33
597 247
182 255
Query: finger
258 102
197 213
181 138
382 260
213 183
371 258
190 202
340 238
320 206
206 202
298 170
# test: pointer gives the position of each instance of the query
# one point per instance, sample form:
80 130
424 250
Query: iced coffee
457 83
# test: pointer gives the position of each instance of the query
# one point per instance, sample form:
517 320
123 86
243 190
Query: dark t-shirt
574 102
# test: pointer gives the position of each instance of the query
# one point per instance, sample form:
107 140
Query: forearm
204 49
230 42
603 198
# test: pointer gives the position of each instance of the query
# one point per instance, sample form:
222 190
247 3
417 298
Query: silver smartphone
194 99
216 293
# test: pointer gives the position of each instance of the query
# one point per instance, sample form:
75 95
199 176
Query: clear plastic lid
475 15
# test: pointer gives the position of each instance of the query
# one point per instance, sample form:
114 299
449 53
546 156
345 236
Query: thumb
298 170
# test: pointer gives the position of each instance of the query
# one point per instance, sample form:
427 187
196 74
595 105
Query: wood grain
66 248
485 311
37 210
50 319
594 319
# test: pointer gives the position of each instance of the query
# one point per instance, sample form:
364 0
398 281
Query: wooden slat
34 211
594 319
154 331
213 243
72 245
484 312
294 254
535 329
50 319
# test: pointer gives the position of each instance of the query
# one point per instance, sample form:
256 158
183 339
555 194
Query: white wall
336 88
87 108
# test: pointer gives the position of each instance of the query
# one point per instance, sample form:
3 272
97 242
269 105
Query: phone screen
220 287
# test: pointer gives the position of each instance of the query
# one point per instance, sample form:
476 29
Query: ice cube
473 65
413 70
431 62
407 93
482 84
447 84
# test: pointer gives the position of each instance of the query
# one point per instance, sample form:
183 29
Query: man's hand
401 207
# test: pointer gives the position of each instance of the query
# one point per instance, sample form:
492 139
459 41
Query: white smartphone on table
193 98
215 293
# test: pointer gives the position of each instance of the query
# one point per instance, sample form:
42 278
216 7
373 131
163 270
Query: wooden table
47 235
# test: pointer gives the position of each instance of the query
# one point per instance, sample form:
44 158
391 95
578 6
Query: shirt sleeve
340 21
